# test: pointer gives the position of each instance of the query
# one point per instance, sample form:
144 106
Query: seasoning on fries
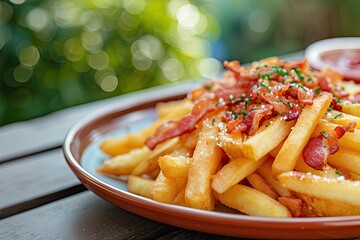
273 139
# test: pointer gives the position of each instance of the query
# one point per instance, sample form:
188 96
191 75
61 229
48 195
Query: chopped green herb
339 173
244 114
280 70
213 121
289 104
282 101
309 79
299 73
337 116
339 100
208 87
235 115
324 134
302 87
317 91
329 109
265 86
247 101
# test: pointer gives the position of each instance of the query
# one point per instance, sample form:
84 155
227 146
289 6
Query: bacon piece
341 130
305 97
233 124
356 97
324 84
315 153
300 63
173 129
234 67
335 105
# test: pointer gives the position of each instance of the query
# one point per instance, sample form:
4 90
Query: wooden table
41 198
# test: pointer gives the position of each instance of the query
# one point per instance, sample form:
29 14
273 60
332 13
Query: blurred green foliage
59 53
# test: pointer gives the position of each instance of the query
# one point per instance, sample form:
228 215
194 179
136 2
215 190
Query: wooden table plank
41 178
81 216
48 132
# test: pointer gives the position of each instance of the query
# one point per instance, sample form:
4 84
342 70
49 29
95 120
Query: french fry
165 190
262 185
332 194
119 145
349 140
351 108
150 163
164 109
180 199
231 143
255 147
139 186
346 159
265 171
252 202
124 164
205 161
174 167
327 171
300 135
233 172
342 118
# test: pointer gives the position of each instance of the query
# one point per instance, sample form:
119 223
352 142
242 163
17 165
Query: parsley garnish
265 86
329 109
339 173
324 134
337 116
317 91
247 101
299 73
244 114
208 87
280 70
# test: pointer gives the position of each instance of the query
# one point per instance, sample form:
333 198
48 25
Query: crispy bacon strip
317 150
315 154
173 129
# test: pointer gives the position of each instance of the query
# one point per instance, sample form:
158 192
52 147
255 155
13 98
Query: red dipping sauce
344 58
340 54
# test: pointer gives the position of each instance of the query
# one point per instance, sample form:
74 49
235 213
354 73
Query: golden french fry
150 163
346 159
233 172
265 171
139 185
351 108
205 161
262 185
349 140
124 164
164 109
180 199
123 144
174 167
231 143
327 171
342 118
252 202
255 147
300 135
165 190
330 196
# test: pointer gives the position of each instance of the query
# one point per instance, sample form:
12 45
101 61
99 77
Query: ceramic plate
340 54
134 112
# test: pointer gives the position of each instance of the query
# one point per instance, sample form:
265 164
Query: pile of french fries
259 175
